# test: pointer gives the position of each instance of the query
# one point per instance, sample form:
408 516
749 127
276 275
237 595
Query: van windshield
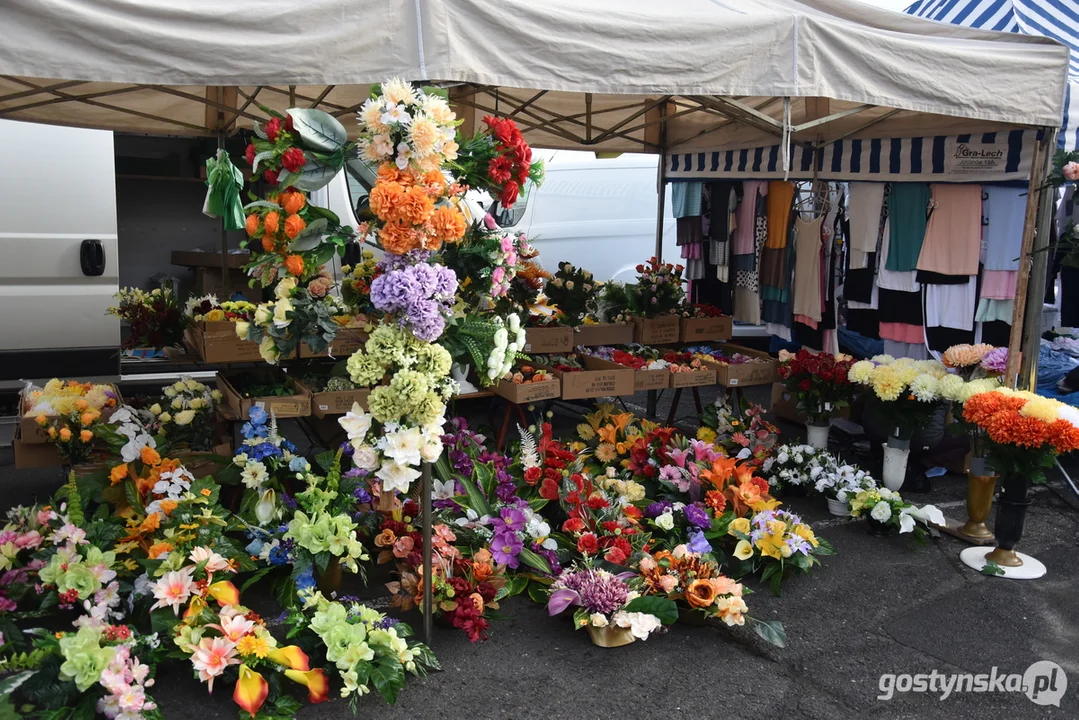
361 178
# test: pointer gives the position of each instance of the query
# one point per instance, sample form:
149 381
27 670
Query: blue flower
257 415
279 556
699 544
297 464
254 547
305 579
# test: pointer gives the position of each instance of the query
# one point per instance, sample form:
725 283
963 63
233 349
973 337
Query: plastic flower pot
980 487
1011 514
838 508
879 529
329 580
689 616
817 436
895 465
610 636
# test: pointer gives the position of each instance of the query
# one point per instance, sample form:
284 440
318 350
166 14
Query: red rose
533 475
784 372
549 490
288 122
623 545
270 176
587 544
574 524
508 196
841 375
615 555
812 367
552 474
827 375
272 129
249 154
805 385
293 159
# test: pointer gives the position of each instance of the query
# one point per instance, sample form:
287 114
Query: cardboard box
347 341
642 379
696 330
289 406
529 392
786 407
548 340
658 330
38 455
696 378
202 463
33 434
603 334
216 342
606 382
339 402
757 373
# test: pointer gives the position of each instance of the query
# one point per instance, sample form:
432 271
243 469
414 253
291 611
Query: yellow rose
165 417
268 350
155 409
216 315
197 403
185 417
738 525
242 328
743 551
280 313
264 314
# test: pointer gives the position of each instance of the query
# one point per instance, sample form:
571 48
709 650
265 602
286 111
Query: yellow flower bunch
63 398
889 378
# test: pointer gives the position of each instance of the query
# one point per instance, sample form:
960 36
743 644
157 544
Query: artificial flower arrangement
887 512
185 414
745 435
715 355
265 460
843 482
796 469
605 602
299 314
525 294
818 382
491 343
487 258
499 161
73 432
908 390
154 318
208 309
367 649
702 310
1065 168
27 529
612 303
772 541
522 374
965 359
572 292
568 362
658 290
643 357
62 397
415 294
356 284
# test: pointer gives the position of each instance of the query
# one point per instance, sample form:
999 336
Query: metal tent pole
221 137
428 551
1035 299
661 209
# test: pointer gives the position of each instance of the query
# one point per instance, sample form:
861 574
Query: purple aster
361 495
287 500
656 509
697 516
602 593
504 549
699 544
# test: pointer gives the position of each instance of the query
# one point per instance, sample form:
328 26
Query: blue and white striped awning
982 157
1057 19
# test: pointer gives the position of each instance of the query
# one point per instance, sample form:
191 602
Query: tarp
1057 19
574 73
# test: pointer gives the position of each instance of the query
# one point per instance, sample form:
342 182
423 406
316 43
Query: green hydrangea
84 658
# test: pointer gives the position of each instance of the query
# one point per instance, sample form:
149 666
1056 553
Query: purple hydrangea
421 295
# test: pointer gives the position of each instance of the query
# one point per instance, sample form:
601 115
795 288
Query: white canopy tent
609 75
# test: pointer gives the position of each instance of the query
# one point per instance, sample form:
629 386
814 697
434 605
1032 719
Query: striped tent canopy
1057 19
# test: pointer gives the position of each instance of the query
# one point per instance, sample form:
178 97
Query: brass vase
980 487
610 636
328 581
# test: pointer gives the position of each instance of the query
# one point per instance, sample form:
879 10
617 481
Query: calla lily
224 592
562 599
251 690
266 506
290 656
318 686
195 607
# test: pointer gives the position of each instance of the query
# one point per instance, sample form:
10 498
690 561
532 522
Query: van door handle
92 257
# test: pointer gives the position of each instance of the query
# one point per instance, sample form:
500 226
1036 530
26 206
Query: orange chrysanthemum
413 207
294 265
384 199
399 239
294 225
251 225
448 223
271 222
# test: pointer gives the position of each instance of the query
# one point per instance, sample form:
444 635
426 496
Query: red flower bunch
629 360
704 310
554 458
509 169
818 381
278 139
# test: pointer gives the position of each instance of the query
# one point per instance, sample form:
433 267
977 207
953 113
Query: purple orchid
505 546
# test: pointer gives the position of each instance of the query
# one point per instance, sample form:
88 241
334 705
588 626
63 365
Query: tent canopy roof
598 74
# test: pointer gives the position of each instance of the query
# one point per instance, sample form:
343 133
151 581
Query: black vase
878 529
795 490
1011 512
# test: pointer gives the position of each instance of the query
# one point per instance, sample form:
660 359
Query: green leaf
322 212
538 562
262 204
537 504
476 500
255 578
163 621
663 608
133 498
318 129
515 586
388 677
771 630
311 236
315 175
537 593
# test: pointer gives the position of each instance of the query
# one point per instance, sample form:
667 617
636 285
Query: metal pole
224 235
1032 328
661 209
428 551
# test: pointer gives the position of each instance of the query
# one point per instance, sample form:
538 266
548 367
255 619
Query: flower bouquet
499 161
965 360
658 290
795 469
841 485
63 397
886 513
491 343
356 284
614 614
820 386
73 433
300 314
745 436
185 415
488 259
775 543
154 318
208 309
572 293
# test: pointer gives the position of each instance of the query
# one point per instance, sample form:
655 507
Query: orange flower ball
271 222
252 225
294 265
294 225
293 201
398 239
384 198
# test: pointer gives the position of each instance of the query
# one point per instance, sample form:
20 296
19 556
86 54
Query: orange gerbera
271 222
716 500
448 223
251 225
292 201
294 225
294 265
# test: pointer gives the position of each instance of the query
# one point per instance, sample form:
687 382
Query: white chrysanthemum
423 135
860 372
924 387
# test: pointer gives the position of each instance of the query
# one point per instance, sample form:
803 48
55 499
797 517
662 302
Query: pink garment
999 284
902 332
692 251
745 217
806 320
953 237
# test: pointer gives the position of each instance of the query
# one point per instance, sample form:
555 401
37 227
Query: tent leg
1038 171
224 238
428 552
1032 328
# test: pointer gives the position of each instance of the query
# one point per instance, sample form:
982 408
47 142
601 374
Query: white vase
817 436
895 466
838 507
459 373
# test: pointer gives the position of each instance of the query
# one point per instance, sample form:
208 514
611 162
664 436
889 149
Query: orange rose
41 420
81 405
294 225
385 538
89 416
294 264
86 436
700 594
477 601
267 244
252 225
167 506
448 223
292 201
118 473
65 434
149 456
271 222
52 433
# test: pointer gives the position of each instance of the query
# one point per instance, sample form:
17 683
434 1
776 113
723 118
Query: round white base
1031 569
